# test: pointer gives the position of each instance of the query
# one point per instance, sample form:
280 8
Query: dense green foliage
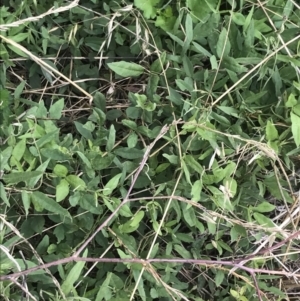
85 89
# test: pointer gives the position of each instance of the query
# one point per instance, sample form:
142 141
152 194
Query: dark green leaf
128 153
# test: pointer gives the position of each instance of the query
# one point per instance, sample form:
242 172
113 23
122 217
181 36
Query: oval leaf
76 182
62 190
125 69
43 201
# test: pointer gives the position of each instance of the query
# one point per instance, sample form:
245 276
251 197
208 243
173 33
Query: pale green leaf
62 190
147 6
111 138
126 69
55 110
196 190
19 37
189 28
60 170
112 184
136 219
271 131
296 128
264 207
292 101
238 18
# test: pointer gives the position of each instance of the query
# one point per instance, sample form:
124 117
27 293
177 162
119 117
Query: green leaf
176 39
133 224
19 149
26 201
42 201
175 97
3 195
144 103
55 154
271 131
223 43
111 138
158 64
19 37
189 215
100 163
248 20
238 18
147 6
185 85
140 284
42 168
17 51
19 90
123 255
182 251
105 291
194 164
85 160
132 140
126 69
236 232
231 64
129 153
165 22
201 49
296 128
188 34
196 190
136 219
263 220
264 207
17 177
60 170
62 190
55 110
73 275
49 137
187 66
296 85
152 86
76 182
112 184
83 131
201 11
219 278
296 109
87 202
